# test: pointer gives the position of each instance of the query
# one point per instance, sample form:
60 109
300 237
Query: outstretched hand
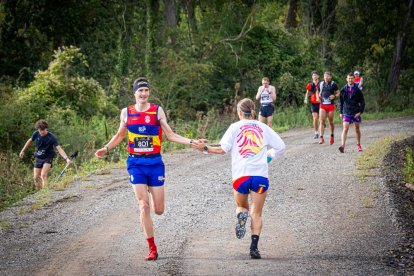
199 144
100 153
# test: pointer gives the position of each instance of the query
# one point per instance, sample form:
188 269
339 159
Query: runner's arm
276 143
259 92
361 82
26 146
215 149
63 154
341 104
306 96
169 133
117 138
274 94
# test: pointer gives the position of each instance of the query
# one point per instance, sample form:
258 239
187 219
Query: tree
291 21
400 45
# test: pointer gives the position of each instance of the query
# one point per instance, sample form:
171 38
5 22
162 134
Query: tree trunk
124 46
291 21
189 6
171 20
400 43
152 10
171 13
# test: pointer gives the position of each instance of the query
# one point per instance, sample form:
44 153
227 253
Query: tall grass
16 179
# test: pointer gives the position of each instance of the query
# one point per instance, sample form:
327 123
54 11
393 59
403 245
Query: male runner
267 95
359 80
328 90
351 106
144 123
312 89
45 143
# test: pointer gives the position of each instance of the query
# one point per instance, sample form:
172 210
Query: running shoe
241 224
316 136
152 256
341 149
359 148
255 254
331 141
321 140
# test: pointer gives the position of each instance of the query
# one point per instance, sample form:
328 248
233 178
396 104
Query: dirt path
316 219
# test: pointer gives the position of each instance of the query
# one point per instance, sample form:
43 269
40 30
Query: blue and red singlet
144 130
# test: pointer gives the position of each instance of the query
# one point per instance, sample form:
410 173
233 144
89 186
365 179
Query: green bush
63 85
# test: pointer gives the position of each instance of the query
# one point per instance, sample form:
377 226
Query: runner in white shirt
267 96
248 140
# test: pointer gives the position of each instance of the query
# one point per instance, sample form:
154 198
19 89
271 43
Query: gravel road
318 219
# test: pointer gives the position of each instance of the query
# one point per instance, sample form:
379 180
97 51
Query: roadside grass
369 163
42 198
409 166
4 224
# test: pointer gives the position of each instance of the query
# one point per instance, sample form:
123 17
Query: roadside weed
4 224
42 198
409 166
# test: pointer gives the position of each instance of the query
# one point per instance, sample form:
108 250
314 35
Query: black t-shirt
327 89
44 145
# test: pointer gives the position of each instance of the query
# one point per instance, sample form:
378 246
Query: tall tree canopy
195 51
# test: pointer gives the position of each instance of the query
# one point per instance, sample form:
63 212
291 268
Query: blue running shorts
245 184
351 119
146 171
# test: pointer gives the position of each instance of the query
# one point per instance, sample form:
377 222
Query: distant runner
359 80
267 96
312 89
351 106
248 141
328 90
45 143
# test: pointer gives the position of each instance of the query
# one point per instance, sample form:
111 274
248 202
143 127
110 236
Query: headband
139 85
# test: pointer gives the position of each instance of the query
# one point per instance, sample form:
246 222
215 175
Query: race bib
326 101
143 144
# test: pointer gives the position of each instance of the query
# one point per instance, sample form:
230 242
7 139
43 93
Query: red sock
151 244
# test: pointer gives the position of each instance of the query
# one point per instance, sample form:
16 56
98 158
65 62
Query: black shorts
40 161
314 108
267 110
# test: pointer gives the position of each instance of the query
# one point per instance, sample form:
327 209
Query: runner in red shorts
312 89
328 90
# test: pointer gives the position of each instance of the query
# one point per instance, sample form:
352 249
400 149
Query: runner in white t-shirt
248 140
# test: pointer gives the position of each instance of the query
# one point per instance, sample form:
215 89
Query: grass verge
369 163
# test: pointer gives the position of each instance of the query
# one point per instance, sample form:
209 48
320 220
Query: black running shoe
241 224
255 254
